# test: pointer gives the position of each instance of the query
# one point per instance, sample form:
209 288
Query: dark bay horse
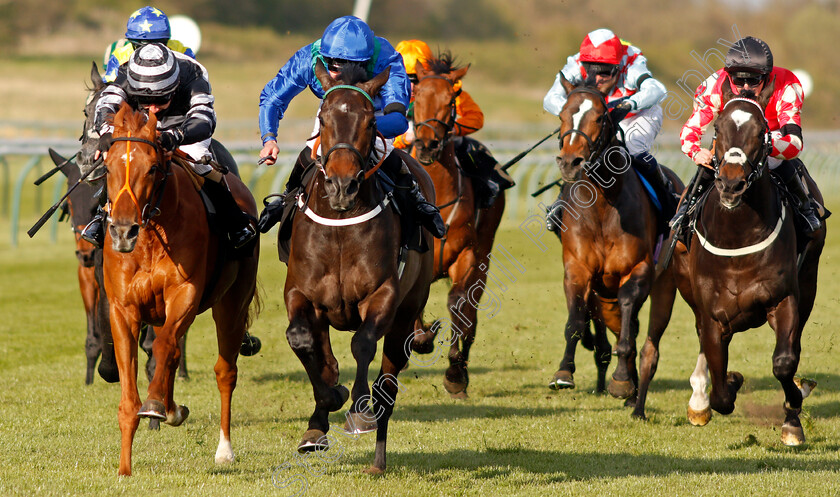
344 268
609 234
159 263
463 254
743 269
81 207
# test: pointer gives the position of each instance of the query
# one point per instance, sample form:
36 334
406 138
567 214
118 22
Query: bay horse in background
609 235
742 269
160 267
463 254
344 267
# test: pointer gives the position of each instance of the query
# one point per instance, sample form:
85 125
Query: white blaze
585 107
740 117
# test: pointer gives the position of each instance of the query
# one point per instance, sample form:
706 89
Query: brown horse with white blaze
344 268
462 255
609 235
159 259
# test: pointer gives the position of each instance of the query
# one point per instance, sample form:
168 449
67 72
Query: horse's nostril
577 161
352 187
133 231
434 144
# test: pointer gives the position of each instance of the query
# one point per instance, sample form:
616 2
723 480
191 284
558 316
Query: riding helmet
347 38
148 23
749 55
152 71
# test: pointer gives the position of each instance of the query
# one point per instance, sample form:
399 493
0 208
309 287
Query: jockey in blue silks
347 42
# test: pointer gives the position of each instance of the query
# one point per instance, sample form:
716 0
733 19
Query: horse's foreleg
662 298
377 312
576 286
125 351
602 354
785 321
182 363
699 412
468 283
305 336
725 385
631 295
386 387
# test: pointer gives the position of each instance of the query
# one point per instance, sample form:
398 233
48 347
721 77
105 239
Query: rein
147 212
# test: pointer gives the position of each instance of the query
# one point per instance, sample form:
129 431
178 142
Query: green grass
512 437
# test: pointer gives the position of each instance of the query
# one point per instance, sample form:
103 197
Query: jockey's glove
105 141
621 110
171 139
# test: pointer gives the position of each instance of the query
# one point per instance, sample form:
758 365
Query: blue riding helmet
148 23
347 38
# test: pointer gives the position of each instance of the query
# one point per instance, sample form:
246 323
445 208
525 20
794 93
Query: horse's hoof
699 418
456 390
177 417
154 424
792 436
373 470
805 385
251 345
313 440
360 422
561 381
342 394
621 389
735 381
152 409
224 453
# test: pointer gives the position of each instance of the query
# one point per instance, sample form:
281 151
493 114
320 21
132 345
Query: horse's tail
255 308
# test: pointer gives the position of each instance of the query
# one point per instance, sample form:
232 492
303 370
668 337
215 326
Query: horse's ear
95 78
422 72
766 93
460 73
372 87
323 75
726 93
151 125
567 85
119 117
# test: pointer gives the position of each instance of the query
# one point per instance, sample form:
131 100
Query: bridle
448 125
148 211
597 146
756 166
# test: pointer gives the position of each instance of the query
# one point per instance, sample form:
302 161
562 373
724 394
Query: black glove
171 139
621 110
105 141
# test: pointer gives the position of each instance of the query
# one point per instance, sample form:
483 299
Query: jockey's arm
469 116
787 141
651 92
556 96
706 108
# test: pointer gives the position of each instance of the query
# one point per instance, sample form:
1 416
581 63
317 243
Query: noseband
756 167
147 212
595 146
447 126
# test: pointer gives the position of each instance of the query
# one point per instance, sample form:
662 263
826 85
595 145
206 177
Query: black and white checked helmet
152 71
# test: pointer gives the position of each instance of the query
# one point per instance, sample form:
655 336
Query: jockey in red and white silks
627 84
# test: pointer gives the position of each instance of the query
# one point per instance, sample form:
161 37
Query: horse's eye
599 119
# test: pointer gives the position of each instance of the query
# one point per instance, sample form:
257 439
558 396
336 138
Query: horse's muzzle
342 192
124 236
570 167
730 191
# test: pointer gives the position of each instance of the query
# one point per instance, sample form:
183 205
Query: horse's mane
444 63
353 74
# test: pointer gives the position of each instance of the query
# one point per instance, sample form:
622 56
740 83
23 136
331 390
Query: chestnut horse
462 255
743 269
344 268
159 261
609 233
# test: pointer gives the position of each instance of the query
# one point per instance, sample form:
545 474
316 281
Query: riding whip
526 152
35 227
57 168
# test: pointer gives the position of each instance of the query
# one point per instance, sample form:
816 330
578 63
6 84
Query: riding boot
408 192
795 186
94 231
475 160
652 171
302 163
236 223
554 215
